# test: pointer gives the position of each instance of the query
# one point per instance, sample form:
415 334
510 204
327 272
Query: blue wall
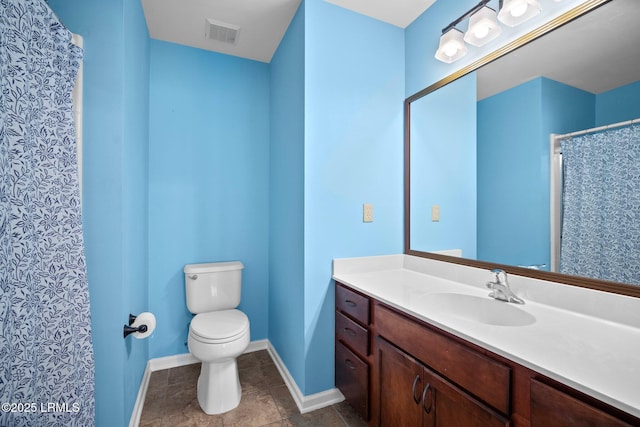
114 190
514 130
135 188
443 168
208 181
618 105
509 147
286 198
354 91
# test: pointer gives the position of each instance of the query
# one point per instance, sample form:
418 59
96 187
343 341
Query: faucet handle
500 275
500 288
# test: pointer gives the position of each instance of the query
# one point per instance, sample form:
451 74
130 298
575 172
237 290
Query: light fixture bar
470 12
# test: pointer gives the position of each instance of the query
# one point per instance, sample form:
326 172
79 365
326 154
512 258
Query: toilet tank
213 286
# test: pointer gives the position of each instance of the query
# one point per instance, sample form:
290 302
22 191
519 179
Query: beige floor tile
252 380
325 417
184 374
192 416
286 405
255 409
248 360
350 417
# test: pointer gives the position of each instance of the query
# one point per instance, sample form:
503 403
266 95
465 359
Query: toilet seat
218 327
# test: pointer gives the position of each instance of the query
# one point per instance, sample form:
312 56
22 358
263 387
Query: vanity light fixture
515 12
483 27
451 46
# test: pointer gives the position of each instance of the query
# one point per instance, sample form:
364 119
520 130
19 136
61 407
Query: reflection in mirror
481 153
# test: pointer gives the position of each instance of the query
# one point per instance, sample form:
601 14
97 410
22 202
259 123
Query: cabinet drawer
552 407
481 376
352 378
353 304
353 334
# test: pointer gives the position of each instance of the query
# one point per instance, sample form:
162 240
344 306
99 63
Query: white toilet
218 333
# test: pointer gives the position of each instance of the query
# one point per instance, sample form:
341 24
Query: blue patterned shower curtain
601 205
46 355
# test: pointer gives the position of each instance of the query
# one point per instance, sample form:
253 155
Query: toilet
218 333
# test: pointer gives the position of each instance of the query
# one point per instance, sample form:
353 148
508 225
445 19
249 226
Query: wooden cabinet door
551 407
413 395
446 405
400 385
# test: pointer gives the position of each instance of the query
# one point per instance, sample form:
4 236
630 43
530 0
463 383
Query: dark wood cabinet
353 355
396 370
401 385
484 377
352 378
411 394
552 407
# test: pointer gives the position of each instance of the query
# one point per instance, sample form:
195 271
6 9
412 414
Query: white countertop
589 340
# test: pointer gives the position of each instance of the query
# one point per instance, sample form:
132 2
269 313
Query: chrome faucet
500 289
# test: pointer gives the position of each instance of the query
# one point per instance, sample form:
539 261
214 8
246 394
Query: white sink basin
478 309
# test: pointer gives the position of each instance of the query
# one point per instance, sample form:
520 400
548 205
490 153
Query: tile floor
171 400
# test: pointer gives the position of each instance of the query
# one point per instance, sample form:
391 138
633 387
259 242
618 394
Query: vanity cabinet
396 370
411 394
353 356
442 381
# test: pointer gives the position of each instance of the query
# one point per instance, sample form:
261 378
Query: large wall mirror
486 182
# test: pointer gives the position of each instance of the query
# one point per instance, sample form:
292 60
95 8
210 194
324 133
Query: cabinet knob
350 303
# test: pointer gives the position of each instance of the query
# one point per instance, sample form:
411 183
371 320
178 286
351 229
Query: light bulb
451 46
481 31
450 49
519 9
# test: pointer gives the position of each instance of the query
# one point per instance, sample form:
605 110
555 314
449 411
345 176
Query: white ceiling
400 13
262 23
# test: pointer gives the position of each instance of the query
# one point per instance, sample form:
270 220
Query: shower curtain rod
597 129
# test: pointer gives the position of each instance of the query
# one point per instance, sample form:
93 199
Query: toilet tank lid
213 267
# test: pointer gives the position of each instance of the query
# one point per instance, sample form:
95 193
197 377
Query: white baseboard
142 393
304 403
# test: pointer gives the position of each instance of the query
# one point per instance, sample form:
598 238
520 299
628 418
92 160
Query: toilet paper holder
128 329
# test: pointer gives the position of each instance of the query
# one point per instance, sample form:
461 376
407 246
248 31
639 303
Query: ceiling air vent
221 31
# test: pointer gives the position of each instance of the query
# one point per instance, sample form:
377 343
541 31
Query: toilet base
219 387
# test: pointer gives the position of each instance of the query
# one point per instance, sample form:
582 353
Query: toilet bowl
217 339
218 332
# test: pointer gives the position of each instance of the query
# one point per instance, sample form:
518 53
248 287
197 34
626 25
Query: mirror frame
585 282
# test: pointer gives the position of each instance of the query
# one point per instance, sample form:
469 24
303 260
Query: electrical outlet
367 212
435 213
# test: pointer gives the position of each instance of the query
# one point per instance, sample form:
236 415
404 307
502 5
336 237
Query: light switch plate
435 213
367 212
